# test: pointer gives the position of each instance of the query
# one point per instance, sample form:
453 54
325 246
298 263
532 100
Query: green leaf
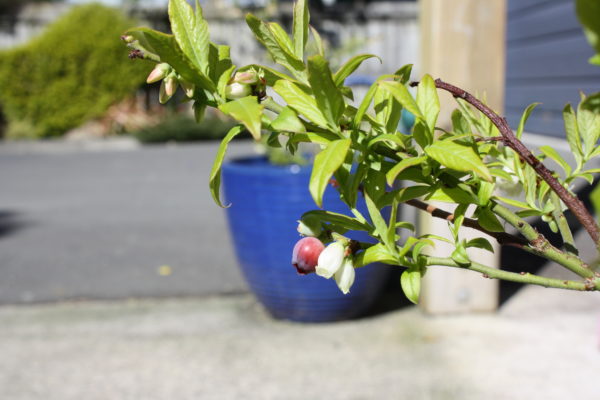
215 173
219 61
387 110
410 280
460 255
271 76
300 27
437 237
553 154
190 32
416 251
412 192
460 124
288 121
500 173
486 189
327 95
312 137
588 12
282 38
364 106
530 184
375 253
392 138
169 51
325 164
401 166
422 135
572 131
428 101
458 158
199 109
281 56
401 93
405 225
410 242
246 110
340 220
143 43
595 199
480 243
524 118
318 41
451 195
301 102
459 217
404 73
488 220
350 66
589 128
513 202
592 103
381 228
224 80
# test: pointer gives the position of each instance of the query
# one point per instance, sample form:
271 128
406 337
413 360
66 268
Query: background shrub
184 129
73 72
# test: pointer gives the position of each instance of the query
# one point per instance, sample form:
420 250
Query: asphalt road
113 221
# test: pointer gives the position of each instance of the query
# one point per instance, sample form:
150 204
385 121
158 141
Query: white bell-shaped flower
330 260
344 277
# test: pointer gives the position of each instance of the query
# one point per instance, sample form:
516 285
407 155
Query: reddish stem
571 201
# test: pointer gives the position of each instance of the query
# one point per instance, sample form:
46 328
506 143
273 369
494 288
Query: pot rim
259 164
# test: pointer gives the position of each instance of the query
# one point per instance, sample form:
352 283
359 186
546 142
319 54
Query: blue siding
546 62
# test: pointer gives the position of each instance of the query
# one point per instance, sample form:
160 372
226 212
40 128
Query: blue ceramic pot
266 202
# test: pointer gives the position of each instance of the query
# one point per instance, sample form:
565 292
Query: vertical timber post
462 42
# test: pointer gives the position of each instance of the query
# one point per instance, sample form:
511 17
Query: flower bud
330 260
310 226
306 254
170 85
236 90
159 72
249 77
344 277
167 88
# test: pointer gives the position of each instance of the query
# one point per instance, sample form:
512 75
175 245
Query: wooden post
462 42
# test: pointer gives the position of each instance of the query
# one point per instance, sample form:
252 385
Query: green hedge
73 72
184 129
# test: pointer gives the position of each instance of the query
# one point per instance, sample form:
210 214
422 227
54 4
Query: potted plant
266 198
361 148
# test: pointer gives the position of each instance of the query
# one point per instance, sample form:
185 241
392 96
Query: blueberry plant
471 166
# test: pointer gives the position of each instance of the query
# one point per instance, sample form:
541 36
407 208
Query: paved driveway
113 222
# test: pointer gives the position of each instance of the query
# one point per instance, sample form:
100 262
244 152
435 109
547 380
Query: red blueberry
306 255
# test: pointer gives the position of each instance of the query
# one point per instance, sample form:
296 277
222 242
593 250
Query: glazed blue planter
266 202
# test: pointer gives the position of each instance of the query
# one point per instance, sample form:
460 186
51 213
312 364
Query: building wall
546 61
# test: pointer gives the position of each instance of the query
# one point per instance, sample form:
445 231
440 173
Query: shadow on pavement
10 223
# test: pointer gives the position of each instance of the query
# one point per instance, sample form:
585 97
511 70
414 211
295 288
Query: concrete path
99 220
98 223
542 345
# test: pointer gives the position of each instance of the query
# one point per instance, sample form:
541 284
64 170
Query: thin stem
539 245
572 202
502 237
527 278
272 105
563 227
